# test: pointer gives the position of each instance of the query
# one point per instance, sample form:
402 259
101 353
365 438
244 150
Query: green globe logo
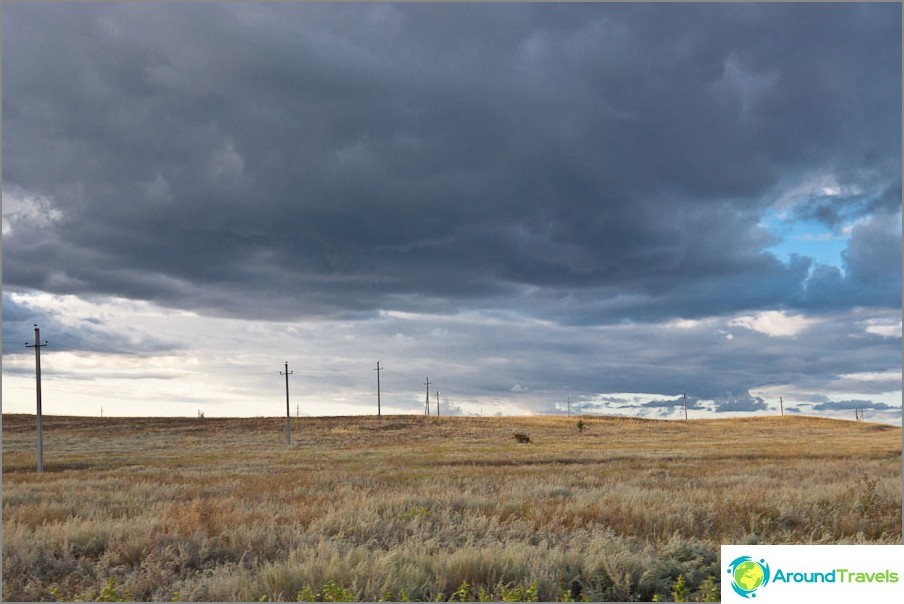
748 575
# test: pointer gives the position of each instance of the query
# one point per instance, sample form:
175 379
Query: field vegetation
416 508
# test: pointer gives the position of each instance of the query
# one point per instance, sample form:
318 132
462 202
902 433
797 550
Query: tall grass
426 508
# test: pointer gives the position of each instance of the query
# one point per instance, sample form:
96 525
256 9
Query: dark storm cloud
853 404
678 403
584 163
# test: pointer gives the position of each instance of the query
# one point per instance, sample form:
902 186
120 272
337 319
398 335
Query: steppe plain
427 508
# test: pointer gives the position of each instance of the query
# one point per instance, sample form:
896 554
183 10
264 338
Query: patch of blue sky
806 238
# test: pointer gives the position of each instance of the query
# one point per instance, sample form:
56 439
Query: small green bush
462 594
679 590
867 496
520 593
109 593
331 592
415 511
709 590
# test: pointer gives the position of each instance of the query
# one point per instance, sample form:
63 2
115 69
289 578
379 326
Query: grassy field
415 508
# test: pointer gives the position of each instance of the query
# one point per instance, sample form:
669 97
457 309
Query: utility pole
37 346
569 406
378 370
781 403
297 411
427 400
685 406
288 424
437 403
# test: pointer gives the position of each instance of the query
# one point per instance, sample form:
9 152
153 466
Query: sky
609 204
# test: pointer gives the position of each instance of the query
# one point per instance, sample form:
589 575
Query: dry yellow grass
415 507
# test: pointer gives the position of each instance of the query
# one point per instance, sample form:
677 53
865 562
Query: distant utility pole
297 411
288 423
569 406
101 411
37 346
437 403
427 400
378 370
781 404
685 406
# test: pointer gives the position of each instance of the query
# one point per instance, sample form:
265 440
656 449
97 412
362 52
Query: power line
227 373
95 347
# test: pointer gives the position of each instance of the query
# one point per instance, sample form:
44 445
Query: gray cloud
678 403
583 163
744 402
853 404
70 332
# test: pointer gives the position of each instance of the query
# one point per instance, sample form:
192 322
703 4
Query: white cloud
684 324
873 376
774 323
21 207
403 339
221 367
824 184
885 330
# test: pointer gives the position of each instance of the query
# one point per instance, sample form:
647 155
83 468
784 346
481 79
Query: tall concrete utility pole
685 406
288 419
37 346
437 403
427 400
